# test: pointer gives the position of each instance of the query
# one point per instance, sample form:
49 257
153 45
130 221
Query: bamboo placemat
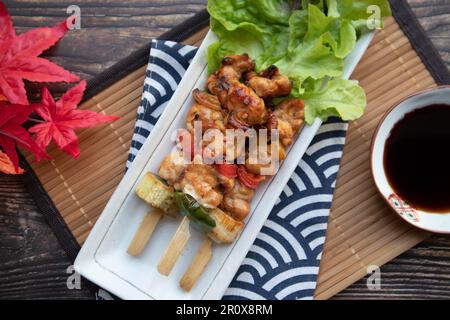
362 230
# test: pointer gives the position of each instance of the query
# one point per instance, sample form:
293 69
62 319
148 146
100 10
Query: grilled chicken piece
263 162
200 181
239 99
246 106
233 66
172 168
207 110
237 201
209 118
290 115
269 83
226 183
207 100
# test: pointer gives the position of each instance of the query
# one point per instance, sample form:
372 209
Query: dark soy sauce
417 158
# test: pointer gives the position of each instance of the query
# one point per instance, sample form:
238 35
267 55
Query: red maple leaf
6 165
62 117
19 58
12 133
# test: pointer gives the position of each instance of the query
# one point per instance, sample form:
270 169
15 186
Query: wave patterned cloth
283 263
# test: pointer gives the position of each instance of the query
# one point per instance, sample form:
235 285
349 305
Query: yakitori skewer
175 248
218 225
197 266
225 230
145 231
215 199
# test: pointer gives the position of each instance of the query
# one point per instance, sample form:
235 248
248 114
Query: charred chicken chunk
200 181
237 201
233 66
242 102
246 106
269 83
290 115
172 168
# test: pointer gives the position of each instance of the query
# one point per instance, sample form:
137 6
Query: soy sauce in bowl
417 158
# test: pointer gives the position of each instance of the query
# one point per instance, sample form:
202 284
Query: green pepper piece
199 217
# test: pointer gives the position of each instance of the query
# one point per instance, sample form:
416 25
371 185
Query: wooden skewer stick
197 266
175 247
144 233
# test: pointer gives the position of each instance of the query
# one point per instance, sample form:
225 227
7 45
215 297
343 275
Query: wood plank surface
33 265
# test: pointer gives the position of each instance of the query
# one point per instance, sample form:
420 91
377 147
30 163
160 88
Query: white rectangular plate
104 259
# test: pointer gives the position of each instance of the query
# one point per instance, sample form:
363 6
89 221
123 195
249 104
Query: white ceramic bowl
429 221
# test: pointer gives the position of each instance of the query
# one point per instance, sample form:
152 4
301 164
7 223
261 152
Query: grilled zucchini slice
226 229
157 194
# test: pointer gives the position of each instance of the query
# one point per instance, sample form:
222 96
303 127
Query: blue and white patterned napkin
283 263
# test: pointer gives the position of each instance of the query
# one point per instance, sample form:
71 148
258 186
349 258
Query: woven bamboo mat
362 229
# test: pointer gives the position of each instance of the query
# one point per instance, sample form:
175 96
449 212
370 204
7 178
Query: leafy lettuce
308 40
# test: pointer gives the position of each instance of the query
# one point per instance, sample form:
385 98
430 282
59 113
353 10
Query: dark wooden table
32 263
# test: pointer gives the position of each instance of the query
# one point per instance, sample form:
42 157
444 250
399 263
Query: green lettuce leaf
307 40
232 13
273 11
262 13
356 11
298 27
311 59
339 34
244 39
318 3
249 26
341 98
342 40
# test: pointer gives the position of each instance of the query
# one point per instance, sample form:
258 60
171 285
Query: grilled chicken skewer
225 232
158 195
212 199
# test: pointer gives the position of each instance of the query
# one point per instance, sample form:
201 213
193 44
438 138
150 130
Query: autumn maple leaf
62 117
12 133
6 165
19 58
